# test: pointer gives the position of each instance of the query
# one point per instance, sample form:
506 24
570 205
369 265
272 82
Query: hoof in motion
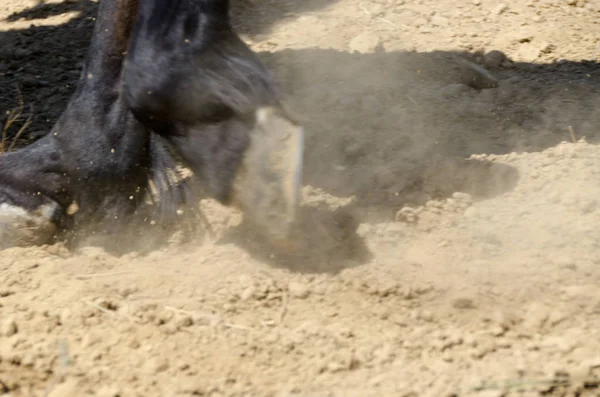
267 188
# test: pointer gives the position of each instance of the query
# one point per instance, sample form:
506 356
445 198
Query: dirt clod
298 290
494 59
365 42
8 327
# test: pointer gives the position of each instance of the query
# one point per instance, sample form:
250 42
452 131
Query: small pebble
21 53
365 42
563 260
426 315
494 59
420 22
184 321
476 76
500 9
7 52
535 317
463 303
29 79
8 327
406 214
108 391
587 206
298 290
462 197
508 64
470 212
546 48
157 365
248 293
437 20
491 393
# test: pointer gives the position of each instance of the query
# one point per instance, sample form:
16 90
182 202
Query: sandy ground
460 255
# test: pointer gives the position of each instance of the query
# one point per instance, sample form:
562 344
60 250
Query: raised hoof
268 185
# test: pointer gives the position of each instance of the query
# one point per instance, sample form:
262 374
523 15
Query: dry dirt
456 246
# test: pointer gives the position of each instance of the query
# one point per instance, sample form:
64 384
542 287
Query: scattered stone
587 206
491 393
248 293
500 9
91 338
528 52
560 343
8 327
126 291
471 212
563 260
438 20
504 319
476 76
365 42
463 303
546 48
536 317
65 315
497 330
426 315
156 365
462 197
29 79
108 391
508 64
184 321
21 53
406 214
7 52
298 290
419 22
494 59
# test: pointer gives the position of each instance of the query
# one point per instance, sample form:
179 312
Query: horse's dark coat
163 80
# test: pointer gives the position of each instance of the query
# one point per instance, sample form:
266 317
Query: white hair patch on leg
20 227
